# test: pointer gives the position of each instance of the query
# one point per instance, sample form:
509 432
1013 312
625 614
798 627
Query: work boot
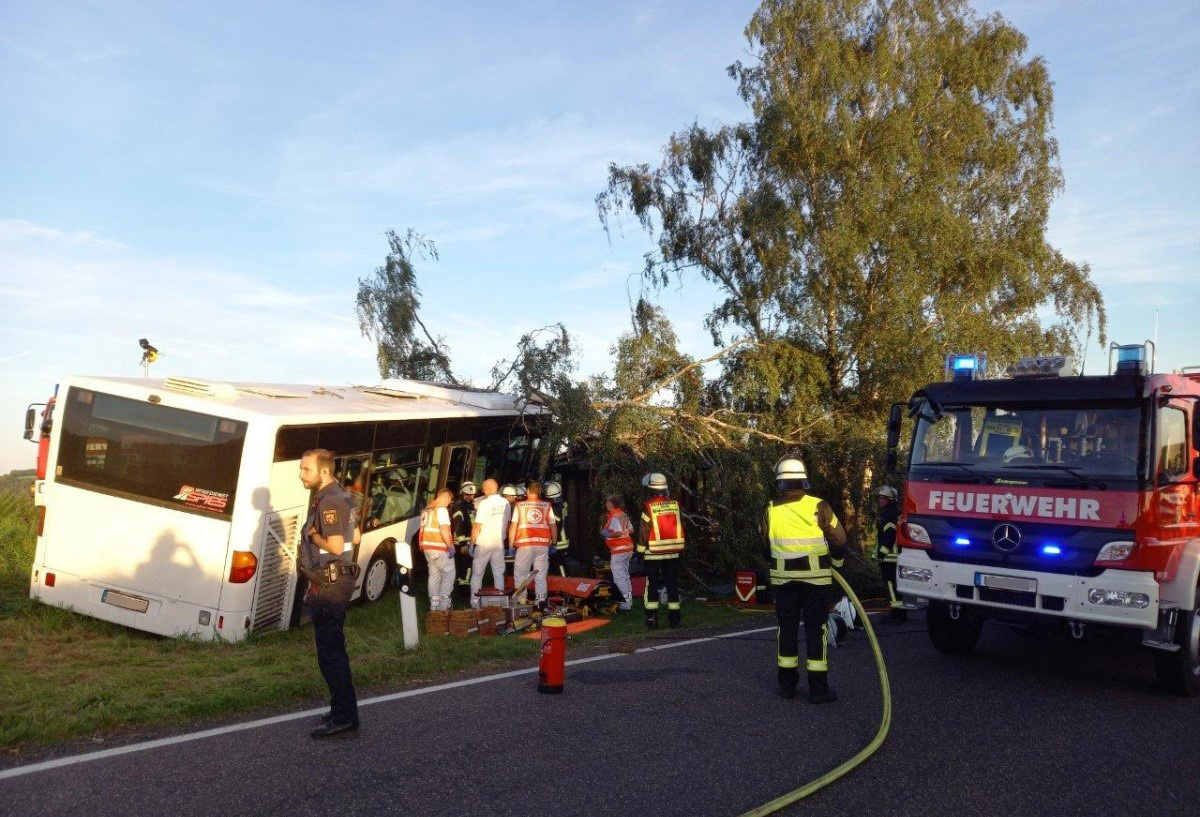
652 620
333 729
788 680
673 619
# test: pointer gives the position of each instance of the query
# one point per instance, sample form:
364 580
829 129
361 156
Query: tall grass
17 540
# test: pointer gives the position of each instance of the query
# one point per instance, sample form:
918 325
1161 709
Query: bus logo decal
201 498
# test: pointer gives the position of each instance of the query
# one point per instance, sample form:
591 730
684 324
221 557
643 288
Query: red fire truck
1048 501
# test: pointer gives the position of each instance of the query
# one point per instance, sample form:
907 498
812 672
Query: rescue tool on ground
1052 502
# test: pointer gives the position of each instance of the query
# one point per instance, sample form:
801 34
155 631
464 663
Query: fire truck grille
275 573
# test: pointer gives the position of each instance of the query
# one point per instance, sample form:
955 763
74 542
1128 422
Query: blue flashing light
1051 550
966 367
961 541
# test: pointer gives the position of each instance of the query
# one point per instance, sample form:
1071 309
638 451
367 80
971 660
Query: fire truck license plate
1006 582
125 602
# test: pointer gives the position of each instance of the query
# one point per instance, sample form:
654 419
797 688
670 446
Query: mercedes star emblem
1006 538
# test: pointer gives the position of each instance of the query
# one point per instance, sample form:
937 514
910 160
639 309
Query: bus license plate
125 602
1017 583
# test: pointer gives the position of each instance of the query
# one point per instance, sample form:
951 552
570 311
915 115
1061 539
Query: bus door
353 473
458 465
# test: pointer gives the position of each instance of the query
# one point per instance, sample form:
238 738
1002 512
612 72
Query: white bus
174 506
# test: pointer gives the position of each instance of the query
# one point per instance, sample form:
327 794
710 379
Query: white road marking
59 763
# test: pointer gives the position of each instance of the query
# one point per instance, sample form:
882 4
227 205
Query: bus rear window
150 453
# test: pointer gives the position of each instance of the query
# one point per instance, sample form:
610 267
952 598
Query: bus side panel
279 513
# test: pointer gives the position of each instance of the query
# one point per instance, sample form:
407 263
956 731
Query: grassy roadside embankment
67 677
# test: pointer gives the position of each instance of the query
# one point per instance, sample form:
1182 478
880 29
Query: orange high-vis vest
533 518
618 523
431 532
664 528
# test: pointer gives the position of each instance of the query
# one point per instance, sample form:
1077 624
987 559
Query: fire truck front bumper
1116 597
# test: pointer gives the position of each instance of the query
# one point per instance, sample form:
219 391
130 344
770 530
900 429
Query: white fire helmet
508 490
655 481
469 488
790 469
889 492
552 490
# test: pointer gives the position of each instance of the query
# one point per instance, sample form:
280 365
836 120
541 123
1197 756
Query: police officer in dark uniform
326 560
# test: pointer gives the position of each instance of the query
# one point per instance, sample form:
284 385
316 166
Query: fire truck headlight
916 574
1118 598
916 533
1115 552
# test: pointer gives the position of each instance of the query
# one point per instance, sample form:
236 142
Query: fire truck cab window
999 439
1172 460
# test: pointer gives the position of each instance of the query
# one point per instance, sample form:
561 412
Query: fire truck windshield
999 440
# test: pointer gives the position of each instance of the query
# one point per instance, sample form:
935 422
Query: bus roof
302 404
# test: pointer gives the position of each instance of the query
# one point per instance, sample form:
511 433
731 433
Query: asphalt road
1017 728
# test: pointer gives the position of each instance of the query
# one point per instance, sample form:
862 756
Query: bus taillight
243 567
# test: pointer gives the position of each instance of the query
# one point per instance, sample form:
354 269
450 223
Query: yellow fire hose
868 750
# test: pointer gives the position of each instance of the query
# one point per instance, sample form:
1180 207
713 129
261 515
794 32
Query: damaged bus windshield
1084 442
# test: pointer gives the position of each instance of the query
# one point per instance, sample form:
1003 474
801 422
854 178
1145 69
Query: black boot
788 680
651 619
673 619
818 689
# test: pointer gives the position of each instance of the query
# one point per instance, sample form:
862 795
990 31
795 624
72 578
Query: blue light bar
1051 550
965 367
962 541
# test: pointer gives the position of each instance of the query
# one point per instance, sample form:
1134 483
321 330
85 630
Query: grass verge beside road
68 677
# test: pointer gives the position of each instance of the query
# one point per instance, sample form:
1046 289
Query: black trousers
888 569
558 563
662 573
793 601
328 629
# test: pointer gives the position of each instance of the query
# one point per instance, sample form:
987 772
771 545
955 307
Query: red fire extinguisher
554 656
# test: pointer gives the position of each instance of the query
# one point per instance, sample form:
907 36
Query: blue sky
217 176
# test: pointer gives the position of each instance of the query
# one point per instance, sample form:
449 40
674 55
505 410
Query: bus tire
376 576
948 635
1179 672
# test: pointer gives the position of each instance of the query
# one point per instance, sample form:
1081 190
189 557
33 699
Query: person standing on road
487 538
558 550
887 551
326 559
806 542
437 543
531 531
618 535
660 543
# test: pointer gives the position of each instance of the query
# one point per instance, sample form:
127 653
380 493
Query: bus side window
395 486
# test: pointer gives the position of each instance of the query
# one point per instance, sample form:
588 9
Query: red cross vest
622 542
533 518
431 532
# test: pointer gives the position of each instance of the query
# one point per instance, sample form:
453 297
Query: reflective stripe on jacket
886 549
663 526
619 525
563 542
533 517
799 551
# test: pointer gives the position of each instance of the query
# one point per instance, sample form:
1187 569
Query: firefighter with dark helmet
558 550
806 542
660 543
887 551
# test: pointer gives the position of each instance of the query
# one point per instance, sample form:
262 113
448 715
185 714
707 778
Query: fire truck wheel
1179 672
953 637
375 578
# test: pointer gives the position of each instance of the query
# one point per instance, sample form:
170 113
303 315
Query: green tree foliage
388 307
884 204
